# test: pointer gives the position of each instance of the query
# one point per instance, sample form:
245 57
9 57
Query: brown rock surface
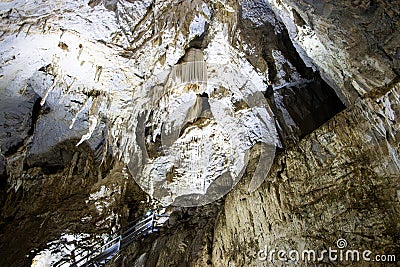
69 72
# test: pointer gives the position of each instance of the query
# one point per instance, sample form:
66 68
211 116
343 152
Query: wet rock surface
73 80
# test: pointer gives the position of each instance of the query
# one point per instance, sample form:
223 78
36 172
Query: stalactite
93 118
192 70
79 112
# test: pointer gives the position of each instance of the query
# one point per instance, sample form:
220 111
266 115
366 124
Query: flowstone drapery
193 140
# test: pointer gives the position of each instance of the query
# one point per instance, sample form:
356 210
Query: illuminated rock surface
87 108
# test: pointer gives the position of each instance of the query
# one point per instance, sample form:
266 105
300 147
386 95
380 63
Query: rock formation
99 118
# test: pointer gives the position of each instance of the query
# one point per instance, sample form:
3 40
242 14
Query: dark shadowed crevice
35 115
309 101
298 19
15 145
153 146
312 105
3 187
200 41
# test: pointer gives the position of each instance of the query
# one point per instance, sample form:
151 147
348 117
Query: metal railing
99 254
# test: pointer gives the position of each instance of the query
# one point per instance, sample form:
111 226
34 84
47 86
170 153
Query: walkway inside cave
99 253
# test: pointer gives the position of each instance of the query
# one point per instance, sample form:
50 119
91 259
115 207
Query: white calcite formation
74 63
183 98
201 162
